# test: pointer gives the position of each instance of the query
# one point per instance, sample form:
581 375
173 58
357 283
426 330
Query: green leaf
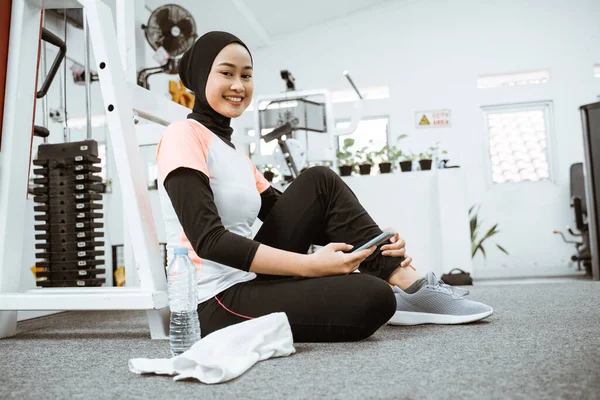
502 249
473 224
490 233
471 209
482 250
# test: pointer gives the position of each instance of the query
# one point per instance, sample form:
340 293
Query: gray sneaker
437 303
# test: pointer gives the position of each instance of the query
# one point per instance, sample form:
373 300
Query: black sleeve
269 198
193 201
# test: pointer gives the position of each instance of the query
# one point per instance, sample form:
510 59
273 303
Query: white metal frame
125 99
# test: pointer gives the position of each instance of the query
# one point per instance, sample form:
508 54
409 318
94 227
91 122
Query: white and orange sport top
210 197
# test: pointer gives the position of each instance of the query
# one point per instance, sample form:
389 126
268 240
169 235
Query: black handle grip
51 38
40 131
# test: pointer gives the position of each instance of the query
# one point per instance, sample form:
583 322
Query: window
374 129
514 79
370 133
518 142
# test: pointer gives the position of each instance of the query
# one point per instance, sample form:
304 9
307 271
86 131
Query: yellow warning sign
426 119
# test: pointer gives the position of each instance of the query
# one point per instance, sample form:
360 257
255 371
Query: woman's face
229 87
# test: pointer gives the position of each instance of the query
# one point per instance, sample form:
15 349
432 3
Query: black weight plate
69 255
70 274
67 209
68 218
69 237
68 190
67 162
58 151
70 199
58 246
77 283
69 265
69 228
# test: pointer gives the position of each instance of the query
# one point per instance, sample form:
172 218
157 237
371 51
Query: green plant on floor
345 156
477 244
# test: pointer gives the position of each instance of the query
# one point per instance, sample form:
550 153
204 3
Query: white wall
430 53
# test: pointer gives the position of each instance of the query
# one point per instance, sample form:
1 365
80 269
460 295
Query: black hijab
194 69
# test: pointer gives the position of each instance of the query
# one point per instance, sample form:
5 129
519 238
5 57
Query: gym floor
542 342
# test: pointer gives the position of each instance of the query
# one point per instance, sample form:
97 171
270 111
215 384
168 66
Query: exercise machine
123 100
583 256
590 118
302 123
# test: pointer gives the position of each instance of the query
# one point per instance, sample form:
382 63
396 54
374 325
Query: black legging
317 208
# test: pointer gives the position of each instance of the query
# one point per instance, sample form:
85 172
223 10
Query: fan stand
144 74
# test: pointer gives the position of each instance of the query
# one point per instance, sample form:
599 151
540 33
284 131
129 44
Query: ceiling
259 22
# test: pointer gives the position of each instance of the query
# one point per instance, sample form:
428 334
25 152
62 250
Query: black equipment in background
173 28
578 203
290 82
590 116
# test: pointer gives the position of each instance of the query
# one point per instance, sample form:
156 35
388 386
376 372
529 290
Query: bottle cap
181 251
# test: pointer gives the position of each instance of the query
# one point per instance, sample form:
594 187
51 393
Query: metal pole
347 75
45 111
88 77
63 90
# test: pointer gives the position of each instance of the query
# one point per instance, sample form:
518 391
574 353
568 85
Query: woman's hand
331 260
396 249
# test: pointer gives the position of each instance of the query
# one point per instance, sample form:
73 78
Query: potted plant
477 244
268 173
388 155
382 156
365 160
425 160
345 157
406 161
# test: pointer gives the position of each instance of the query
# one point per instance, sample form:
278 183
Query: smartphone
376 241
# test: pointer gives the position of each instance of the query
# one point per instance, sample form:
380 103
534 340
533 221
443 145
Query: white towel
226 353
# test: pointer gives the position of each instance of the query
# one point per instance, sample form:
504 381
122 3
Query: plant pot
269 175
425 164
345 170
406 166
385 167
365 169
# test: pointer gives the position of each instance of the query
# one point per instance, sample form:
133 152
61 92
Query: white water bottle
184 329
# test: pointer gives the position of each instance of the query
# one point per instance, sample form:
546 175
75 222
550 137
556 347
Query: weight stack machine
67 190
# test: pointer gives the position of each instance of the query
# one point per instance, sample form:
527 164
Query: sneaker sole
415 318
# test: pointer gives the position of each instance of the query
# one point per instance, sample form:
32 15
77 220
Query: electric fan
170 31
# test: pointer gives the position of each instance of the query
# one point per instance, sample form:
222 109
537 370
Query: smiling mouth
234 100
